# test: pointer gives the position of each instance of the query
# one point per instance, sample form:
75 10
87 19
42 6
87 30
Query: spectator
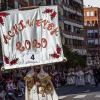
96 75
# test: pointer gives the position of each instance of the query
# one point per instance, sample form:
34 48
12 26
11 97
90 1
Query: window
84 23
88 23
92 13
92 22
96 33
69 27
96 23
96 41
95 13
88 13
89 35
66 41
66 27
92 35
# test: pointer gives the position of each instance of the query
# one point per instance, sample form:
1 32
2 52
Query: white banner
30 37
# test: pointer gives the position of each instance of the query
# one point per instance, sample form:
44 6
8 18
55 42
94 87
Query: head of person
37 69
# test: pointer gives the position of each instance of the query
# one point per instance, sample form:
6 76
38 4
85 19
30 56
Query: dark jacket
95 72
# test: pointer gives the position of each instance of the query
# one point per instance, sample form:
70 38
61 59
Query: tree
74 59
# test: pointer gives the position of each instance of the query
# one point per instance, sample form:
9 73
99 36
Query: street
79 93
86 92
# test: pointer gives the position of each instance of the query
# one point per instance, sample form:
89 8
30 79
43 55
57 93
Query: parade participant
92 82
88 76
69 77
39 86
73 76
96 75
80 78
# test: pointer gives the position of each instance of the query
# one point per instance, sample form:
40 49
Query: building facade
92 33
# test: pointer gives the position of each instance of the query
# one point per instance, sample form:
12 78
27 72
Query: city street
79 93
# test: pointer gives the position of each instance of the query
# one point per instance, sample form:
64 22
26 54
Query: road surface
86 92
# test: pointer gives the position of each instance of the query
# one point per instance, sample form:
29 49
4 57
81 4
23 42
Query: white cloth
92 82
80 78
88 77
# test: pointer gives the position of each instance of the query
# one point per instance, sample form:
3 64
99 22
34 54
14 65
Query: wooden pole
29 7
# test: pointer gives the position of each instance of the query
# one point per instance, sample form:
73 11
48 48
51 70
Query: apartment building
92 33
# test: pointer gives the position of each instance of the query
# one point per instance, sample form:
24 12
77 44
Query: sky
94 3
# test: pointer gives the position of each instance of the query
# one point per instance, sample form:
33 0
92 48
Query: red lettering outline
27 42
18 44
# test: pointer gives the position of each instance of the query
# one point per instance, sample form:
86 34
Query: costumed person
92 78
88 76
69 77
96 75
73 76
39 86
80 78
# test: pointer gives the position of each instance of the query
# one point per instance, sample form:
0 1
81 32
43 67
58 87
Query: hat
9 80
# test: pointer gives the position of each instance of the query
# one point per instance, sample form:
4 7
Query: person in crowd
73 77
21 86
96 75
69 81
88 76
92 82
10 88
80 78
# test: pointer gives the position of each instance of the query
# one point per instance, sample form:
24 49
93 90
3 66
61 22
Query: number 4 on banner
32 57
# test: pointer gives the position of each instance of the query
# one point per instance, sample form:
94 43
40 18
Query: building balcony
78 1
73 33
93 46
71 9
70 21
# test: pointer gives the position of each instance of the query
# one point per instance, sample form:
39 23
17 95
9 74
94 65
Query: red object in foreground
6 60
48 11
3 14
53 15
55 55
13 61
58 50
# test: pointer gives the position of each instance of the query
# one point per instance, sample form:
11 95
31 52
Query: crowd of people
78 77
12 84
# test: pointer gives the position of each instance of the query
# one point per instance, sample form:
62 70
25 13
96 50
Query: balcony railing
6 6
63 18
73 33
